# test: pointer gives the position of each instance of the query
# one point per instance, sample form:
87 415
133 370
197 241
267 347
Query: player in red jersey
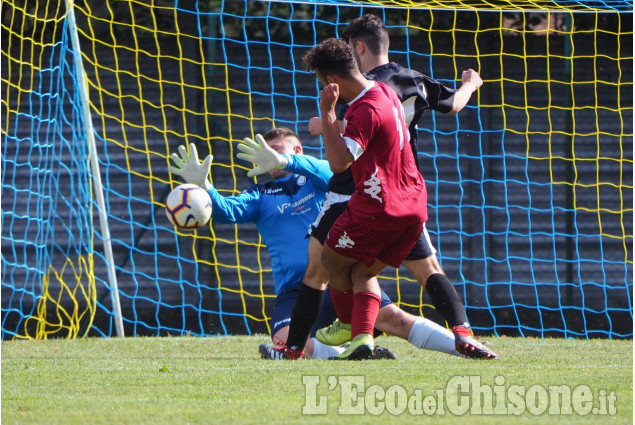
370 42
385 214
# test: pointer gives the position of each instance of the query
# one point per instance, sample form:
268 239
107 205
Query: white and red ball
188 206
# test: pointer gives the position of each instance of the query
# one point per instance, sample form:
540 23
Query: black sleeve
407 83
440 97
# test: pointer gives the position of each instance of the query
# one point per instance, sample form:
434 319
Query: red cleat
279 352
467 345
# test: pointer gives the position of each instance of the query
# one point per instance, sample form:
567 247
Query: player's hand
261 154
189 167
328 98
470 76
315 126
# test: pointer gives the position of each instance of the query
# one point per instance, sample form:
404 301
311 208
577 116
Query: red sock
343 303
365 312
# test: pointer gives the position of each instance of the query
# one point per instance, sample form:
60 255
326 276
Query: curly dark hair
371 30
332 56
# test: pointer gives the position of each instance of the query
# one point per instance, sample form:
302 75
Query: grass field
222 380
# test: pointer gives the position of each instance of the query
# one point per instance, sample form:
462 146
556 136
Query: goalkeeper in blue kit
283 210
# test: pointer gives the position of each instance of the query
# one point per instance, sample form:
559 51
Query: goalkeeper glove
189 167
259 152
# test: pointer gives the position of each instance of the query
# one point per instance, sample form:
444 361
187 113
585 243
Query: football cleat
380 353
468 346
279 352
337 333
360 348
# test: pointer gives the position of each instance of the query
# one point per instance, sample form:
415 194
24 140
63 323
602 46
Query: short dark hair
332 56
371 30
274 133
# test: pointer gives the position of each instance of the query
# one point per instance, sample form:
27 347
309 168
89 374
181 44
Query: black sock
445 299
305 313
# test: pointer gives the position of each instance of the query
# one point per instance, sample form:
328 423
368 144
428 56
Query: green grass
222 380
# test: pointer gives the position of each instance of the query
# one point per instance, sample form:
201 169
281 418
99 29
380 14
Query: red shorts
391 245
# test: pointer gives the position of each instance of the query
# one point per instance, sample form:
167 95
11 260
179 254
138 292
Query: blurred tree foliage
279 20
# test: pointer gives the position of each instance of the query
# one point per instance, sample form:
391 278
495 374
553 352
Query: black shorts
423 247
285 301
333 206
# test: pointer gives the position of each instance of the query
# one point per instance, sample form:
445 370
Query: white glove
189 167
259 152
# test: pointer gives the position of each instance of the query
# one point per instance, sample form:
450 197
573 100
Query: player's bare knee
361 274
394 316
338 269
281 335
422 269
390 324
394 321
315 276
339 277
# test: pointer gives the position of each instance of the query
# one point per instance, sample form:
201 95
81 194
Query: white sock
430 336
323 351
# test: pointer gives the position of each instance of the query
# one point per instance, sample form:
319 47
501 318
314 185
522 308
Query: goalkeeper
283 210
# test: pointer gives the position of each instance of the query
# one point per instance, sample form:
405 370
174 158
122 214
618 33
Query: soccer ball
188 206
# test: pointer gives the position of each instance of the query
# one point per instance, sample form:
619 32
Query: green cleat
361 348
337 333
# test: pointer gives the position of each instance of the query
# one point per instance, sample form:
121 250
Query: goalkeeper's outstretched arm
316 170
266 159
189 168
235 209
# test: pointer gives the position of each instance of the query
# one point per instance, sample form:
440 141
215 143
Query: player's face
321 79
355 53
283 145
324 82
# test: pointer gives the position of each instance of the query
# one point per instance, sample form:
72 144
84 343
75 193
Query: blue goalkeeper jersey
282 210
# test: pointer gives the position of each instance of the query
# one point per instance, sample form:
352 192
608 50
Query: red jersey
389 190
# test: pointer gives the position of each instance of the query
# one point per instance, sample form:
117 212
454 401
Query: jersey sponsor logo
297 205
301 180
345 242
374 187
272 191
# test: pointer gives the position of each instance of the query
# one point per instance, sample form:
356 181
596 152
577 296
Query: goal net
530 186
